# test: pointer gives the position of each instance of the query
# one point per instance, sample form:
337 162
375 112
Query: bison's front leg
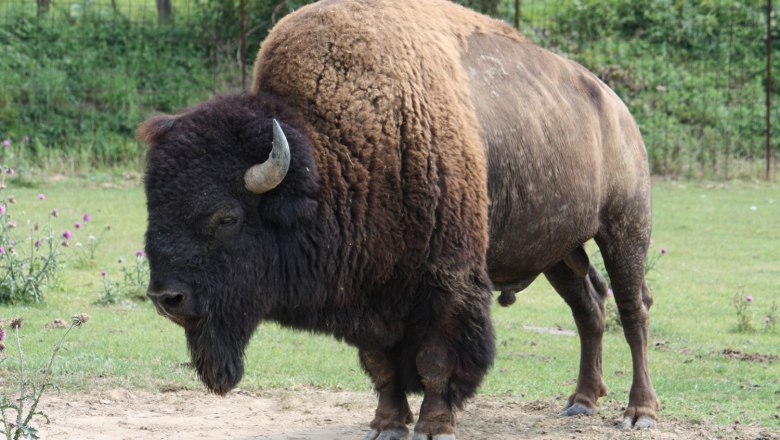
435 363
392 413
451 363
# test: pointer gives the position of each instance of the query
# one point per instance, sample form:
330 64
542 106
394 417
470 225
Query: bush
79 88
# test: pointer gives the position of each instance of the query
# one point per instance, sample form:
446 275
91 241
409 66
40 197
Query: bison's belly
530 232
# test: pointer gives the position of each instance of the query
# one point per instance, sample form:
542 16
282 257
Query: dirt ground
312 414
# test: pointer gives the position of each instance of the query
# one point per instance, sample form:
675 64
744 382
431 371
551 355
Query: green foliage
692 73
77 82
80 86
490 7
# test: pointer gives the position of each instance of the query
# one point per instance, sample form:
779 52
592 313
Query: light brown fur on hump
383 88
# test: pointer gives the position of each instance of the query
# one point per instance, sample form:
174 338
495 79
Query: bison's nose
175 303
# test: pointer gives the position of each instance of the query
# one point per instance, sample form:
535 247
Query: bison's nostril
173 301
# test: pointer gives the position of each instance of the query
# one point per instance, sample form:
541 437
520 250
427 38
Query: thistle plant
86 252
136 276
770 319
22 427
742 304
29 263
111 292
134 281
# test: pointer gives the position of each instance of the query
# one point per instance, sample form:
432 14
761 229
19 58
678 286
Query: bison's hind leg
624 245
584 291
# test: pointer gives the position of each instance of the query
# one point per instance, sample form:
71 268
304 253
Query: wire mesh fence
76 76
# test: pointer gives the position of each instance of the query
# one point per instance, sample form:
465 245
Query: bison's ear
153 129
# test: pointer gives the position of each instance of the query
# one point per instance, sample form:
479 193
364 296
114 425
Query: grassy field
721 239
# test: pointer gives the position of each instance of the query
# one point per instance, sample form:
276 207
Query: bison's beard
218 354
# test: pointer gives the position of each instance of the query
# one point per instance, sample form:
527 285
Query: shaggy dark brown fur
434 153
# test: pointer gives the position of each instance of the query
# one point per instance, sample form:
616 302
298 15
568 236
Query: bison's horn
266 176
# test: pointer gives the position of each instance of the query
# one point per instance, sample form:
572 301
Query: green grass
717 244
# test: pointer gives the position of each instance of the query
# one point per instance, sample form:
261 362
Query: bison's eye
226 223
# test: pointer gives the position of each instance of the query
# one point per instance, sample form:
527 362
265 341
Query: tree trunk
490 7
43 6
164 11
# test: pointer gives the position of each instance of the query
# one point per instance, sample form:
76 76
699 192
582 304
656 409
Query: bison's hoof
577 409
388 434
423 436
643 422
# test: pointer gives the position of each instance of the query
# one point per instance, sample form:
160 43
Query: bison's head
229 192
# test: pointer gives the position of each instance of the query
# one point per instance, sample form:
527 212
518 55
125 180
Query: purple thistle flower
2 334
77 225
2 250
139 253
54 212
663 251
2 209
67 234
6 143
37 243
749 298
42 196
10 171
87 218
609 292
103 273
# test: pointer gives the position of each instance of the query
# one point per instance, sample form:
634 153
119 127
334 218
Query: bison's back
562 150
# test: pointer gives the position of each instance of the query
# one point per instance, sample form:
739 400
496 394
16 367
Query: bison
395 162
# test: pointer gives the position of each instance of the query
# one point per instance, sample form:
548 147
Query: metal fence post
243 44
768 89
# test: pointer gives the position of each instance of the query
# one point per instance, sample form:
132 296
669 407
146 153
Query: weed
28 267
111 293
770 320
744 312
136 276
612 315
742 306
133 284
23 427
86 253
